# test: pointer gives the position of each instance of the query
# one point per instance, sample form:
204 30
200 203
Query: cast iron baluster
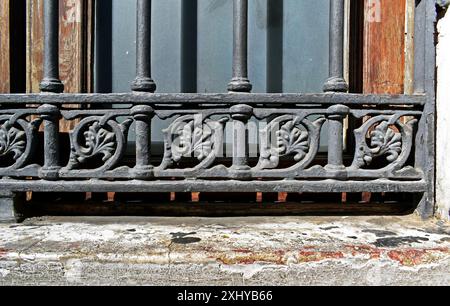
336 115
240 81
143 81
336 82
50 114
143 117
51 81
240 115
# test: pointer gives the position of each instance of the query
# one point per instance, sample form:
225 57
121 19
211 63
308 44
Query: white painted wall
443 118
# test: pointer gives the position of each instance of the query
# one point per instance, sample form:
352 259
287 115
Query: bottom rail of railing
320 186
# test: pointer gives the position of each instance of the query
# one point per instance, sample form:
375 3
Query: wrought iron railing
392 150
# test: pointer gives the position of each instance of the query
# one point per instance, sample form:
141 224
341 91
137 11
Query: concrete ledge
233 251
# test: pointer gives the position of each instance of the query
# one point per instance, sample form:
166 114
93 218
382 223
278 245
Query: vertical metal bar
51 81
336 116
240 81
336 82
50 115
240 114
420 48
143 81
240 145
335 158
424 82
143 116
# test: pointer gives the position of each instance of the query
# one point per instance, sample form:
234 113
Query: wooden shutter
384 46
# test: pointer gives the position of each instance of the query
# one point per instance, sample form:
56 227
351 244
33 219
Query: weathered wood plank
4 46
74 43
384 45
35 44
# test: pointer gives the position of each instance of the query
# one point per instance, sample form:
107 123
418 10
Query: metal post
51 115
51 81
240 81
143 81
336 81
336 116
240 115
143 116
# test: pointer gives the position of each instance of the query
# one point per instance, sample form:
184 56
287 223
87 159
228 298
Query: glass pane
305 45
192 46
288 44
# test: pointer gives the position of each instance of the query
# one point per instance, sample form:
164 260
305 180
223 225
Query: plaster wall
443 117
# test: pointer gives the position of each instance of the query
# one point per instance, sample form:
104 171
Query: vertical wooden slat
71 44
89 21
75 47
35 44
409 46
4 47
384 45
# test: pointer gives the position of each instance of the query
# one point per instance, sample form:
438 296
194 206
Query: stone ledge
228 251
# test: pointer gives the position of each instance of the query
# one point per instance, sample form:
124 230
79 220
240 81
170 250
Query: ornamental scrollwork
193 136
289 135
98 137
17 140
292 140
12 140
384 141
384 136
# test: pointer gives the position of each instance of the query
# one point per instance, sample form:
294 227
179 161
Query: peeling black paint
379 233
181 238
392 242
